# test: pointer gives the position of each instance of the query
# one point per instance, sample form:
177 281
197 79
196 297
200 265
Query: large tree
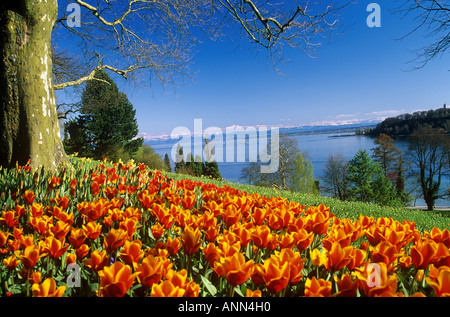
429 158
335 181
136 39
295 171
367 182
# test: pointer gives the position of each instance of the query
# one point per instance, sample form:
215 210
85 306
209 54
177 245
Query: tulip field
120 229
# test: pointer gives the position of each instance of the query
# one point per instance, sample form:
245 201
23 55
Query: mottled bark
28 120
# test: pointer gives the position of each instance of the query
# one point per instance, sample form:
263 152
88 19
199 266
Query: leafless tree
433 16
429 158
139 40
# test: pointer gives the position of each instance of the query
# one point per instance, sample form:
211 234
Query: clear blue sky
363 74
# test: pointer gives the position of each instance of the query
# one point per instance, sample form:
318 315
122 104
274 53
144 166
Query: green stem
188 266
231 294
28 282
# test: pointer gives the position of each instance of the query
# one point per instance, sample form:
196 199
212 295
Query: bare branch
434 17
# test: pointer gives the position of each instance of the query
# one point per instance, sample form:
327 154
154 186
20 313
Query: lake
318 147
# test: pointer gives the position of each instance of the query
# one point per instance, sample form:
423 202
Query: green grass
424 220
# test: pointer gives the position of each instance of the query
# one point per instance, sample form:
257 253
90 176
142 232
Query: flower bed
103 229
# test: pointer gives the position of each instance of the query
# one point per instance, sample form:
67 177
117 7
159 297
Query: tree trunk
29 126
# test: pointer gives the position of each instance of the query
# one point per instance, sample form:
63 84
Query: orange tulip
99 259
163 215
115 239
439 236
318 220
116 280
26 241
41 225
212 233
234 268
110 192
166 289
338 257
60 229
317 288
9 219
276 275
171 245
62 202
295 263
146 199
375 281
92 230
259 215
129 225
131 252
250 293
54 248
11 262
258 273
303 239
3 238
211 253
287 241
97 209
422 253
65 217
37 210
71 258
374 234
318 258
30 256
384 252
29 197
82 251
339 235
231 215
442 255
157 230
48 289
441 285
152 270
77 237
347 287
261 236
188 201
191 240
358 258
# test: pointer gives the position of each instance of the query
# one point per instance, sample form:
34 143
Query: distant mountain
297 130
314 129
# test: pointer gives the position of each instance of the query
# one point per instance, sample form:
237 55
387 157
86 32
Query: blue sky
363 74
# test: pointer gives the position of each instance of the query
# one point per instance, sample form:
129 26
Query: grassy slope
424 220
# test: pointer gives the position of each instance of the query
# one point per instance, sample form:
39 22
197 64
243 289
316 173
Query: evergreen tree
108 120
197 166
179 164
75 139
361 173
167 165
211 169
368 183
